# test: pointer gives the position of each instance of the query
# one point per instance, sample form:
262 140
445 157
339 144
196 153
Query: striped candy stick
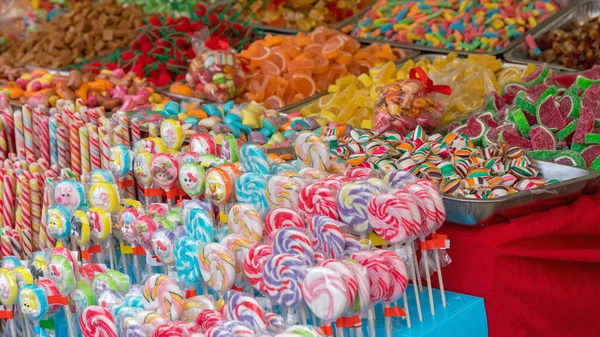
64 149
75 147
5 247
15 243
19 134
9 127
27 243
36 209
25 201
37 130
94 147
8 200
84 147
28 132
45 138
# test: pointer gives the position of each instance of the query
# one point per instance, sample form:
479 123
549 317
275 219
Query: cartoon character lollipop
171 133
39 261
69 193
102 176
145 226
34 305
100 228
60 271
142 162
82 296
59 222
120 161
191 179
163 241
153 145
104 195
164 171
80 228
218 186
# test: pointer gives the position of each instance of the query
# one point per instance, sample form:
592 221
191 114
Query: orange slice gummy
273 102
332 48
279 59
344 58
274 40
269 67
303 84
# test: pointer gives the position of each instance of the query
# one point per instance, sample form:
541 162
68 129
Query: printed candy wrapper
403 105
216 72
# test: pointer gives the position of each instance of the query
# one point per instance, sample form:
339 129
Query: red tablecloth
539 274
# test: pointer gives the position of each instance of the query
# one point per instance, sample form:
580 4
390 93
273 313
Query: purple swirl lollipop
292 241
398 178
244 308
283 276
328 236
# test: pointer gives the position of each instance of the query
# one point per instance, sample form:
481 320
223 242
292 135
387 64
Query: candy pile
302 15
162 50
284 70
485 26
166 7
110 89
573 45
88 30
352 99
552 114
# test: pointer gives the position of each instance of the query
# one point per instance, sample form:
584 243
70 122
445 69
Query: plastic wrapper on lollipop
403 105
216 72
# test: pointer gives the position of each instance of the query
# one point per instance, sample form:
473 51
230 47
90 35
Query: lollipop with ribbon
164 172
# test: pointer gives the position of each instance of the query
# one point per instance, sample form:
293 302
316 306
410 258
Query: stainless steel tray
580 11
563 4
292 31
480 212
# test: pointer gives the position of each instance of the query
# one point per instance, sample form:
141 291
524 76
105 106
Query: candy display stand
463 315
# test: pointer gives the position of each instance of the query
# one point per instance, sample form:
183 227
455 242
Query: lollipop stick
125 263
440 278
70 323
204 289
388 323
417 271
339 331
406 311
111 253
303 314
428 276
371 322
13 327
136 269
414 282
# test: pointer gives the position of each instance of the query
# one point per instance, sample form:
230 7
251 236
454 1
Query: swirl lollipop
254 265
312 151
283 275
203 143
229 147
278 218
69 193
104 195
209 318
253 159
250 188
325 293
353 201
239 245
378 272
199 225
295 242
348 277
164 171
243 219
283 191
391 218
218 186
244 308
191 179
161 293
359 274
217 266
315 199
59 222
50 290
171 134
186 260
97 321
193 306
328 235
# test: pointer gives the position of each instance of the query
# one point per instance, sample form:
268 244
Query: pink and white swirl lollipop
437 200
380 278
244 220
426 207
293 241
314 199
244 308
217 266
417 222
254 265
161 293
399 279
278 218
203 143
328 235
392 219
359 273
325 293
283 191
96 321
283 277
209 318
347 275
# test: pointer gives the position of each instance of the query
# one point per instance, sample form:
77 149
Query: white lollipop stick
440 278
428 276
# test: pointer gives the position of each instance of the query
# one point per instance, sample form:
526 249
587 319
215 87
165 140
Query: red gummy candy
585 124
128 55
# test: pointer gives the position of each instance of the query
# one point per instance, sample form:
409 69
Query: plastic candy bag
403 105
216 72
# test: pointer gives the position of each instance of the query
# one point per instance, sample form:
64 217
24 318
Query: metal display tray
563 4
574 182
580 11
283 30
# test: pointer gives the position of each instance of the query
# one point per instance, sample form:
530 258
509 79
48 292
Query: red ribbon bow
216 43
430 87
